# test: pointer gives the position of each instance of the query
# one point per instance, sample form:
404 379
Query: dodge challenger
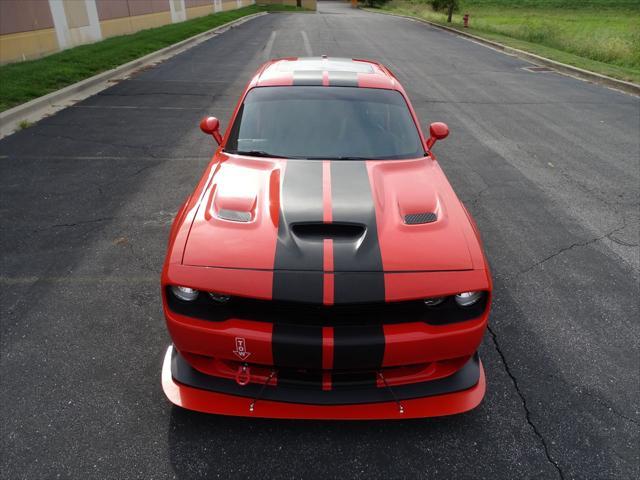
323 267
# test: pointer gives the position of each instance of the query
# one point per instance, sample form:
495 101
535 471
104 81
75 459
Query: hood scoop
420 218
318 231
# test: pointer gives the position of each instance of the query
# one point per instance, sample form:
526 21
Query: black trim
298 261
280 312
352 202
420 218
464 379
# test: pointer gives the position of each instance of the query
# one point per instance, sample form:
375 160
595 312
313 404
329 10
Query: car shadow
203 445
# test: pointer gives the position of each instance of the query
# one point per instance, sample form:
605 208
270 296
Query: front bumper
194 390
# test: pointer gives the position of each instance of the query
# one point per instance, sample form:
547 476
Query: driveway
547 164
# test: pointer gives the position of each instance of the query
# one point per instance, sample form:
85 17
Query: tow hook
243 375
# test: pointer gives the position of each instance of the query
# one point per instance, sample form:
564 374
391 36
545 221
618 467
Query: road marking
131 107
8 281
267 49
307 45
103 157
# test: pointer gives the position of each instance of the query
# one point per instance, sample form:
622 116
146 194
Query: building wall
26 29
34 28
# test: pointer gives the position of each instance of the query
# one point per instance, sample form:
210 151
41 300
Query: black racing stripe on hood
298 265
307 77
358 263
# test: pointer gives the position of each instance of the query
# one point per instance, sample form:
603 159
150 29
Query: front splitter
222 404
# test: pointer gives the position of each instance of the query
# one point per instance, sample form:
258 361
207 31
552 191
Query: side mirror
437 131
211 126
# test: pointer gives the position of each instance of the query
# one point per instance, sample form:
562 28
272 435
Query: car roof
325 71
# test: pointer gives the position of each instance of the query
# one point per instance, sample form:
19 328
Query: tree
449 5
375 3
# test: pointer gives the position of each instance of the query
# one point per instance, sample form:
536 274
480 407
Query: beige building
34 28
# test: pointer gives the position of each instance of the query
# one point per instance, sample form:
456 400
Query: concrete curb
46 105
627 87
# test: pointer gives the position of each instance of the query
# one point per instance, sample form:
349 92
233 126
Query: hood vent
234 215
320 230
420 218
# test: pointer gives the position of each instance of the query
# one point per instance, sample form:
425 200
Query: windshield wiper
256 153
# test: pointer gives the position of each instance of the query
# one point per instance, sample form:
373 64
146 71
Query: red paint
328 276
400 187
327 214
245 185
327 348
210 253
327 357
328 281
437 131
325 79
211 126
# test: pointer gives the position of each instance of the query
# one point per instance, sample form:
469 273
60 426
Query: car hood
342 216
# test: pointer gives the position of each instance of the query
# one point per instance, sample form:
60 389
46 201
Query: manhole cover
538 69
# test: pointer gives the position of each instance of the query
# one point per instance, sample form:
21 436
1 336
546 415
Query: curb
40 107
627 87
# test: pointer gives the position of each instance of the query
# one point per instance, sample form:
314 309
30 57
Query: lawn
24 81
598 35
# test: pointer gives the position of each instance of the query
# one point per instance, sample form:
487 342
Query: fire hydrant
466 20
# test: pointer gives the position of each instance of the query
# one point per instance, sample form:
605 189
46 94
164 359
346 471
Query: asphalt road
547 164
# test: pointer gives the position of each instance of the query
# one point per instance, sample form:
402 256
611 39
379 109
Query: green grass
21 82
598 35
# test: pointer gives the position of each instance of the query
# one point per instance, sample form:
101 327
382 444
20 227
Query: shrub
375 3
444 5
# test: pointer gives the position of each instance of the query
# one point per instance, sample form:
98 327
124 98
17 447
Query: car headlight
219 298
184 293
466 299
434 301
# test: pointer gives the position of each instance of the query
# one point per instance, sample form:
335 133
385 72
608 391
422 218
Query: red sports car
323 267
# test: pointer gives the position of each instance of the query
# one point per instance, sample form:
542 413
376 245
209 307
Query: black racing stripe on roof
343 79
307 77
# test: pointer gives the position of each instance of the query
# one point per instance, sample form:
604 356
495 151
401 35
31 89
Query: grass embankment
598 35
21 82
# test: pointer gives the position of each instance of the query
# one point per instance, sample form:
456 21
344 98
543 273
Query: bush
375 3
444 5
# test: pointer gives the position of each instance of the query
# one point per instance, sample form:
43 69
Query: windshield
331 123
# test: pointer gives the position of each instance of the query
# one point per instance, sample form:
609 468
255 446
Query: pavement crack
575 245
82 222
523 400
606 405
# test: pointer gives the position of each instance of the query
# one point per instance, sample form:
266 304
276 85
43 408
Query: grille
419 218
279 312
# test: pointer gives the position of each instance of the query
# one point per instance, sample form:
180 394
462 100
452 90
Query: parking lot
547 165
